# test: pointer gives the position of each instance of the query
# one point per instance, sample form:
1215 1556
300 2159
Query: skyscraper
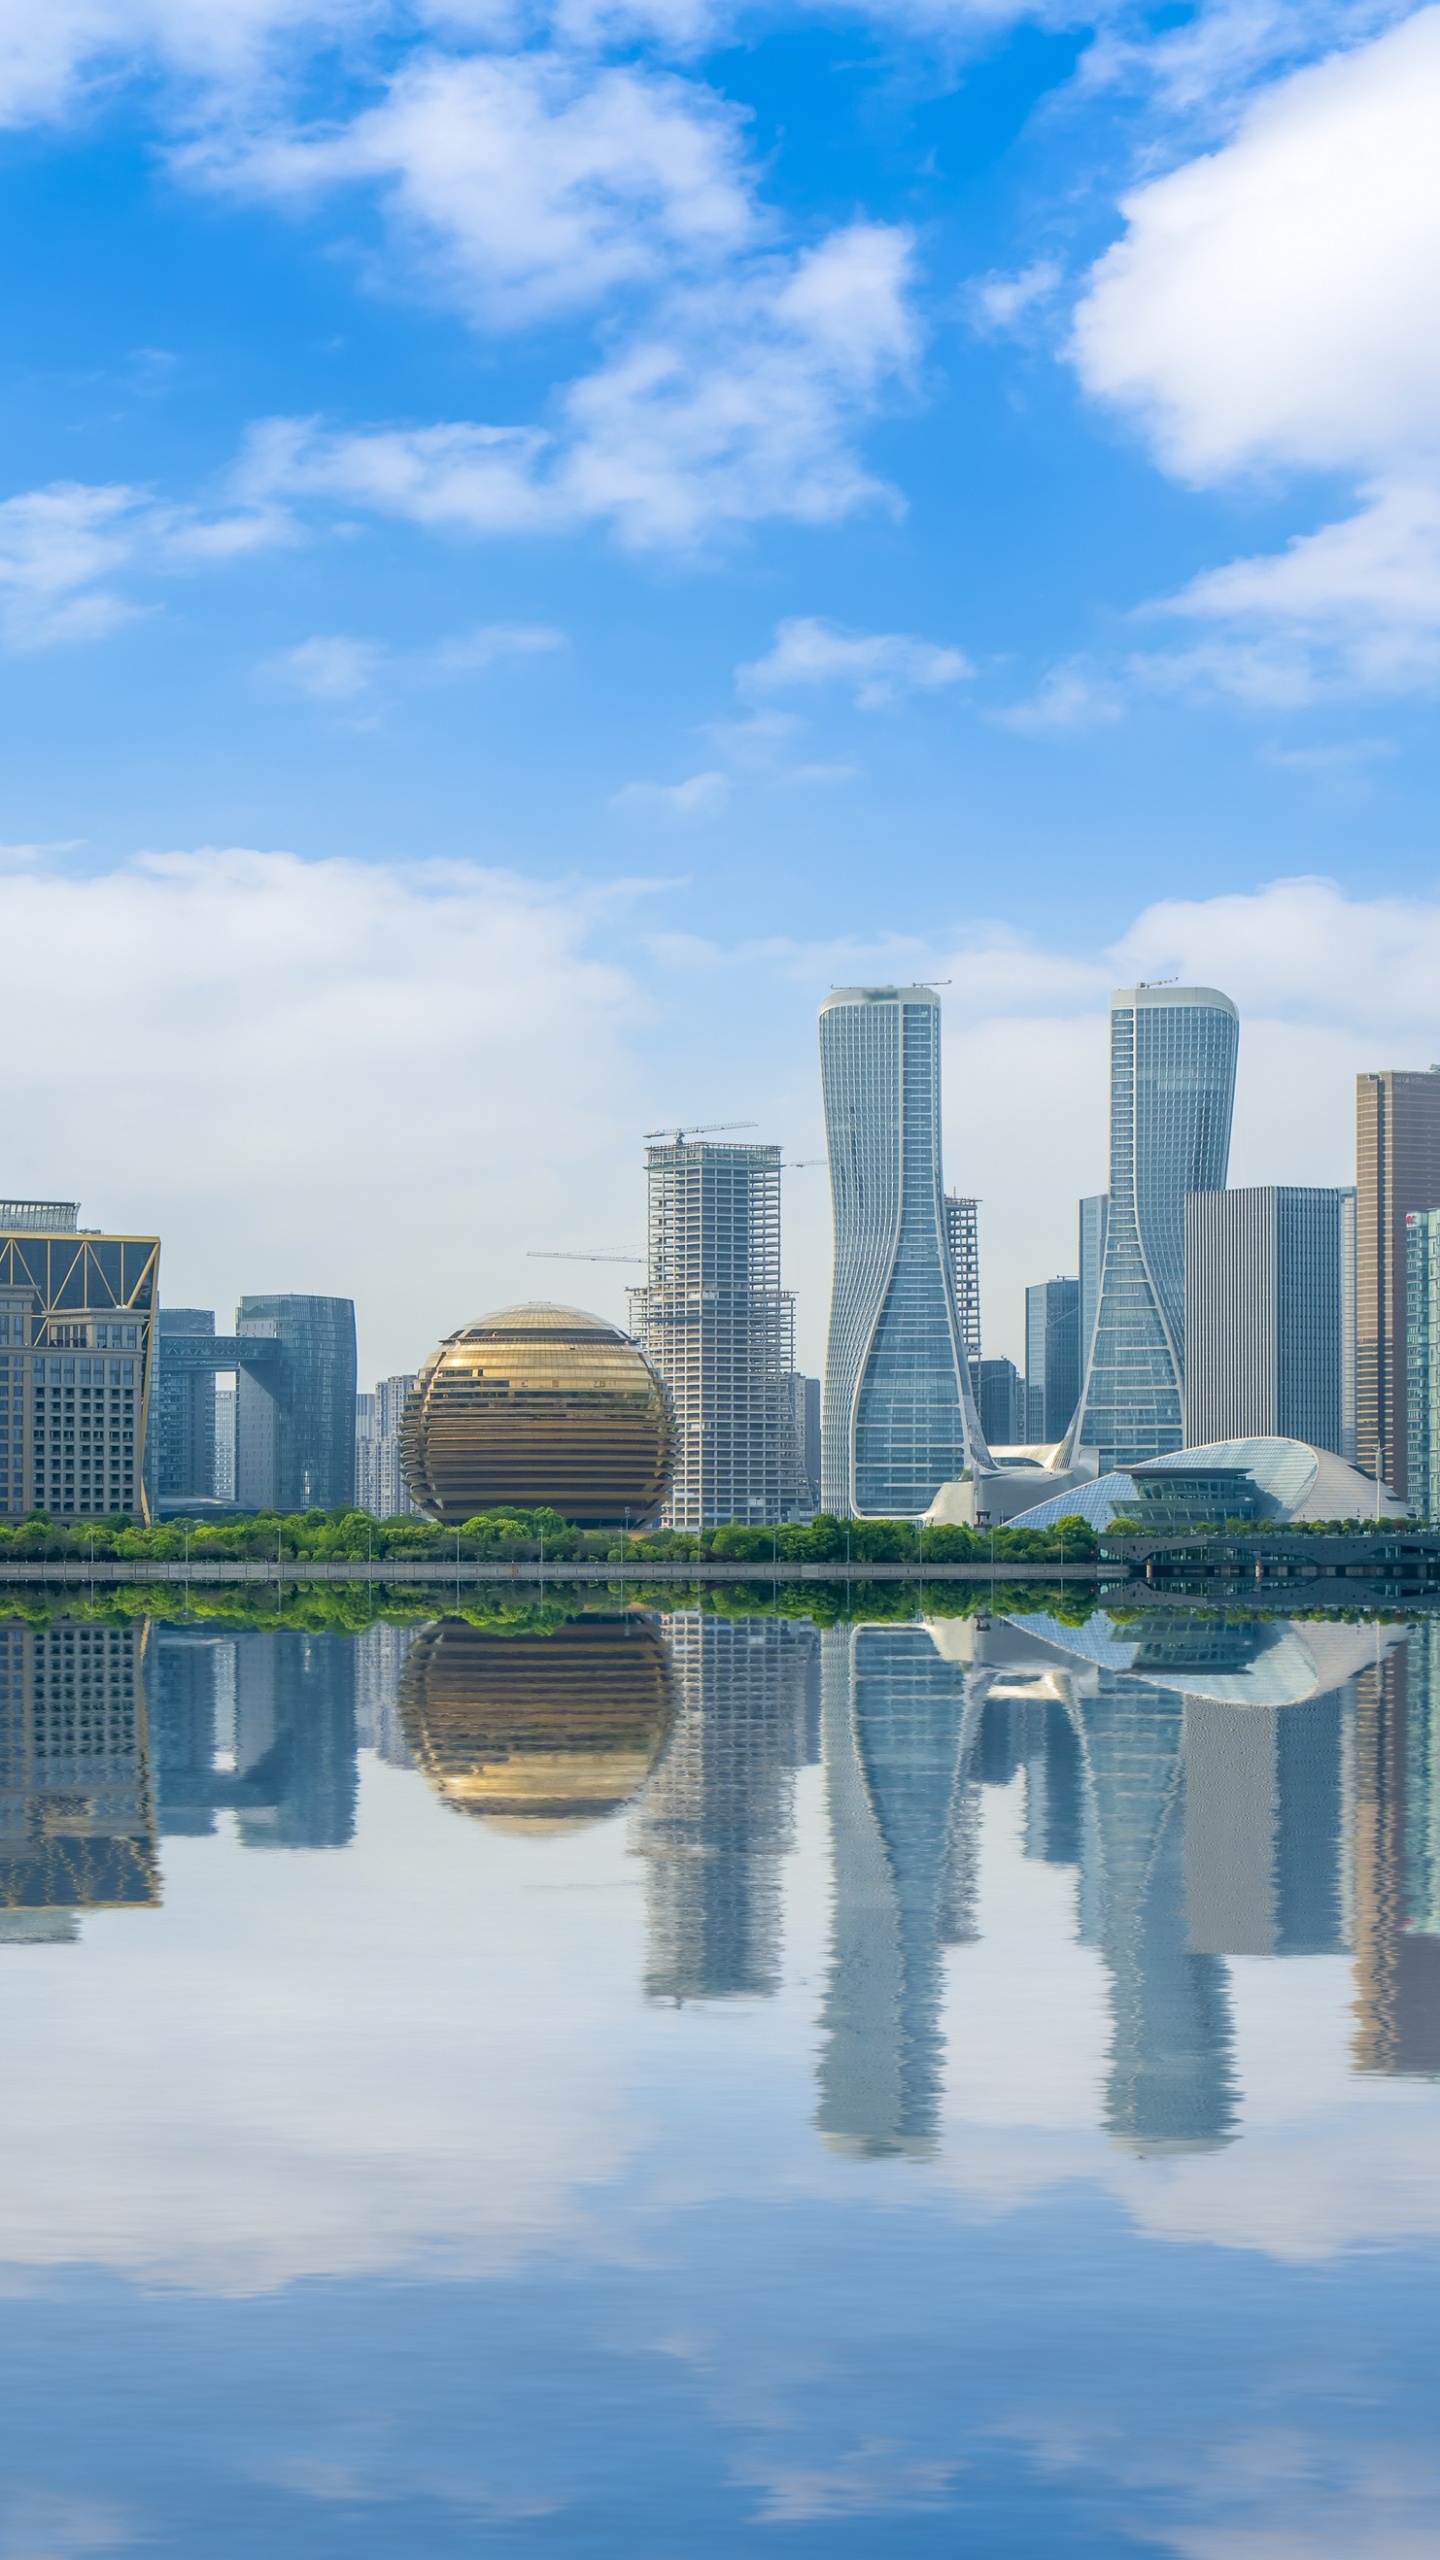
1052 1357
76 1319
1264 1334
962 1234
719 1330
180 1440
1397 1169
1422 1239
1094 1220
1172 1091
295 1423
380 1486
898 1419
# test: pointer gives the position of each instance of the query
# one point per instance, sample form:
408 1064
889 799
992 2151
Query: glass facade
295 1425
1422 1345
1052 1358
897 1423
1172 1092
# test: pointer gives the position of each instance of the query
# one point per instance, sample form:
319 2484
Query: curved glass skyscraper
897 1421
1172 1091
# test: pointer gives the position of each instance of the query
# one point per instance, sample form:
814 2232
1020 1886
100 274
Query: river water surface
678 2085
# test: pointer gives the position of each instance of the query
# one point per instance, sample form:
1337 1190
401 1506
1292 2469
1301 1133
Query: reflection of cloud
876 2479
327 2119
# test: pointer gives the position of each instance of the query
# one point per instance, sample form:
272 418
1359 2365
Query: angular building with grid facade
77 1314
719 1331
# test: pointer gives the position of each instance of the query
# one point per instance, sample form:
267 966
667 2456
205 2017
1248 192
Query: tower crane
706 1129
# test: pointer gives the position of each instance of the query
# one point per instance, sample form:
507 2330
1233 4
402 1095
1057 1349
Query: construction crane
543 1256
706 1129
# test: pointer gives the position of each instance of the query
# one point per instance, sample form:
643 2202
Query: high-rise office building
226 1399
1422 1242
295 1423
898 1417
380 1486
1172 1092
962 1235
805 1417
1264 1315
1094 1221
180 1440
1000 1402
76 1319
719 1330
1052 1358
1397 1169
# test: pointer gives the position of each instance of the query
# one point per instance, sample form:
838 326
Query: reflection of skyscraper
1397 1832
895 1738
1172 1088
1264 1812
258 1724
1170 2086
714 1827
380 1656
76 1832
897 1421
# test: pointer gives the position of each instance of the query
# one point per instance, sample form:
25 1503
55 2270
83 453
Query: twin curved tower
899 1420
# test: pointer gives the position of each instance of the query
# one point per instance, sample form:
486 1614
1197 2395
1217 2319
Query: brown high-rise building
1397 1168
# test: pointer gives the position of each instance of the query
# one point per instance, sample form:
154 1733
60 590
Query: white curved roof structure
1298 1483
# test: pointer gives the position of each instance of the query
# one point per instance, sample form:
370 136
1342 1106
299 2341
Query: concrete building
77 1316
962 1235
1265 1315
1172 1092
380 1486
1052 1358
899 1421
295 1422
805 1394
719 1331
1397 1169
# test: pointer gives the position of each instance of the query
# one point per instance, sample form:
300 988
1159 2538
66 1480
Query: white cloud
1274 302
531 183
1072 698
492 641
57 548
740 402
873 666
1272 306
288 1008
703 796
331 669
50 49
999 302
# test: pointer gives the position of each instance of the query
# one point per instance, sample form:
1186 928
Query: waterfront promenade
457 1574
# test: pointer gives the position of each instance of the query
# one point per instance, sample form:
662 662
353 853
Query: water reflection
259 1724
1219 1789
76 1826
540 1729
715 1827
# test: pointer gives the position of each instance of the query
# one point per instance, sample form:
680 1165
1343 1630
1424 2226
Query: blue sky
533 538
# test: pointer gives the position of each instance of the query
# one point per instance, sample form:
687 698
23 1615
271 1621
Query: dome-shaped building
535 1406
538 1731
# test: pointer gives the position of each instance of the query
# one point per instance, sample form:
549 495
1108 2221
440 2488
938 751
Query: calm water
685 2085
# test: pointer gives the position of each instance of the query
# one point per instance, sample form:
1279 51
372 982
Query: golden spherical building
538 1405
538 1731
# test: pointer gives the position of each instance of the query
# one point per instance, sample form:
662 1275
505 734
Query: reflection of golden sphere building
538 1406
538 1731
